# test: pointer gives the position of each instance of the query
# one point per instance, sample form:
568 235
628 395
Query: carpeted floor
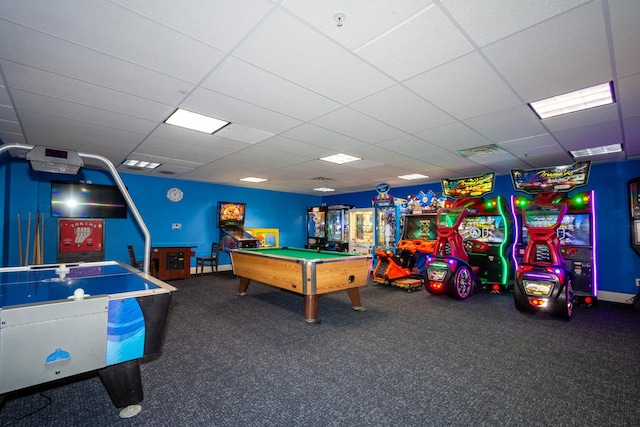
412 359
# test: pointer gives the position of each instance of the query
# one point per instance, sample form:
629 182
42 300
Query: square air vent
485 150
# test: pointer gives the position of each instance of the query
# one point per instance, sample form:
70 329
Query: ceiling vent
485 150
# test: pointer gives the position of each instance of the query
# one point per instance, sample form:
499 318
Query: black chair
140 264
211 260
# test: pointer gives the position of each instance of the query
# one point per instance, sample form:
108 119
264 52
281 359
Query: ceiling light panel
413 176
340 158
195 121
597 151
571 102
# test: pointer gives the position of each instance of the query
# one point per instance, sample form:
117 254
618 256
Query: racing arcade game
406 267
634 201
473 240
556 258
488 235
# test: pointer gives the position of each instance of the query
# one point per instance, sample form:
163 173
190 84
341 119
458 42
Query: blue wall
27 191
618 264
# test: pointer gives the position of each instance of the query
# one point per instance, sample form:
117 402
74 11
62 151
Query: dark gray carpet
411 359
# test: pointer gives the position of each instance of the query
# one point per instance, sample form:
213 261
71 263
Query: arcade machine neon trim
577 233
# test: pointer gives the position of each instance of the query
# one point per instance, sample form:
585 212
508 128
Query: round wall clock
175 194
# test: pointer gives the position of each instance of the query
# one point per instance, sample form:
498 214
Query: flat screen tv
231 214
77 200
575 230
483 228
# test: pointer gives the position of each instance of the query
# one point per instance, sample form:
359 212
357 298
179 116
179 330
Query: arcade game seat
402 268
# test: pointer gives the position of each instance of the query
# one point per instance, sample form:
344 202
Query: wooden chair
211 260
140 264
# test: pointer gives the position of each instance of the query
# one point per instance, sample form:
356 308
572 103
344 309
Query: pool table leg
311 309
244 284
354 295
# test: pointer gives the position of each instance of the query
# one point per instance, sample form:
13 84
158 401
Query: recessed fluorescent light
253 179
195 121
324 189
340 158
142 164
413 176
596 151
571 102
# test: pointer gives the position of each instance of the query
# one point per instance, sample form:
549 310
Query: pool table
57 321
308 272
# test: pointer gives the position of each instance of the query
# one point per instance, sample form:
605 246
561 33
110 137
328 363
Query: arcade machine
316 227
406 267
387 220
387 212
634 204
474 240
338 228
488 236
556 257
361 231
230 220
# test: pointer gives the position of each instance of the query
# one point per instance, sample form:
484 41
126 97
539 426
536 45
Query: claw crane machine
387 220
338 227
361 231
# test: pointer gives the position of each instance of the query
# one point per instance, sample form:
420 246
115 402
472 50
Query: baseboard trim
222 267
615 297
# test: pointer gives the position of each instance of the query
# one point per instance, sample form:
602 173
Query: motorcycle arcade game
557 265
448 269
406 267
473 240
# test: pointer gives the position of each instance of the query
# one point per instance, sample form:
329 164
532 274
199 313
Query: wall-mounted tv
77 200
483 228
231 214
575 229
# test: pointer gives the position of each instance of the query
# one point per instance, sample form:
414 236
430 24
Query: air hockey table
57 321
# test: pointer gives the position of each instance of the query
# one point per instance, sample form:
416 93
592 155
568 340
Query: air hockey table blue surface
61 320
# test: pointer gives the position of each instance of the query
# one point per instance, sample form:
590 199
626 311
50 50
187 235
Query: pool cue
26 252
20 240
36 239
42 241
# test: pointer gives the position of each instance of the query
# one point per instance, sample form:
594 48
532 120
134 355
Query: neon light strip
594 267
505 264
516 232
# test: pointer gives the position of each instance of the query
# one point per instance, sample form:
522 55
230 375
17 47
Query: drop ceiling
402 84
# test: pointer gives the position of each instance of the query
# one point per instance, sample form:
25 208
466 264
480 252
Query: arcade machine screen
575 229
420 227
484 228
231 214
